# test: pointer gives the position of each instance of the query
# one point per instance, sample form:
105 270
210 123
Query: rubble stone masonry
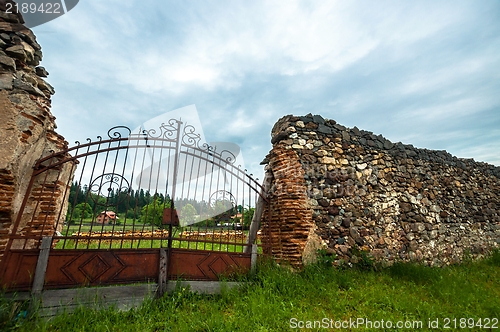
27 125
348 190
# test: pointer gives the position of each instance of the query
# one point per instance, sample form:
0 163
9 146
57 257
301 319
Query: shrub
364 260
325 258
494 259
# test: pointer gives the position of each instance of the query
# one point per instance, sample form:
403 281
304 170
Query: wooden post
170 218
162 275
41 268
253 259
259 209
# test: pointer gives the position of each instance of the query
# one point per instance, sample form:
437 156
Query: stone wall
27 125
348 190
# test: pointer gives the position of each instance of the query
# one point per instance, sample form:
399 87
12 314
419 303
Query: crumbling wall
291 219
27 127
352 190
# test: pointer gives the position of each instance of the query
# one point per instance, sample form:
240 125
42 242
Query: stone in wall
392 200
27 129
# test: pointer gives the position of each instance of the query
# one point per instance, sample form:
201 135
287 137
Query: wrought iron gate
149 206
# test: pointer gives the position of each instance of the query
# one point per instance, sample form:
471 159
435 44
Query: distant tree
133 214
248 216
68 213
81 211
224 209
152 213
76 194
188 215
98 203
142 198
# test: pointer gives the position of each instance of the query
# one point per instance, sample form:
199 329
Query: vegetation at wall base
276 295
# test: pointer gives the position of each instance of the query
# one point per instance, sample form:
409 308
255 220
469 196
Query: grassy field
276 299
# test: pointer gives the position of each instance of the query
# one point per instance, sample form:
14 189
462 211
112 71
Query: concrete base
57 301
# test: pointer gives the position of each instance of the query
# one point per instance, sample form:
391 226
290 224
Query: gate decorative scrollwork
108 184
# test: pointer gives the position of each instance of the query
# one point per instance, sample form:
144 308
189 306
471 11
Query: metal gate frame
33 260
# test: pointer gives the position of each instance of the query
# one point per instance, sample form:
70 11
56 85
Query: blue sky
425 73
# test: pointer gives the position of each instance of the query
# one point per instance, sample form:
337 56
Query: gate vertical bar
166 256
257 216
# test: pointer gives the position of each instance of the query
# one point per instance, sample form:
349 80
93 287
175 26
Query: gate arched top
168 136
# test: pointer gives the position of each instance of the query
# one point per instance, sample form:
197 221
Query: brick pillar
290 227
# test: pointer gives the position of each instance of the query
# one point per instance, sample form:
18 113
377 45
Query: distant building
106 217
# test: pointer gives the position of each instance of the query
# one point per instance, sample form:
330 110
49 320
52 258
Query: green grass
68 230
117 242
275 295
145 243
87 227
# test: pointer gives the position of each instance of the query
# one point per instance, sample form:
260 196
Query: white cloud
228 42
370 64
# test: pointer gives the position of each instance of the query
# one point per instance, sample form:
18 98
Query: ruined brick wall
27 127
343 188
291 219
